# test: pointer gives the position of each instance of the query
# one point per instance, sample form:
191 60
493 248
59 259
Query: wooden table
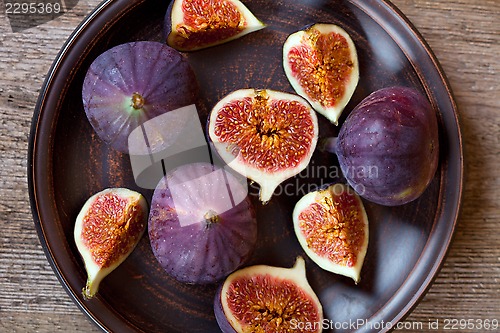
465 36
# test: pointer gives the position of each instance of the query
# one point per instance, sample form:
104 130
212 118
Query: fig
332 228
268 136
202 225
107 229
268 299
388 146
195 24
321 64
131 83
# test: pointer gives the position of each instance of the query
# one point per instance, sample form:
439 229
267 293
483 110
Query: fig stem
88 291
137 101
211 217
328 144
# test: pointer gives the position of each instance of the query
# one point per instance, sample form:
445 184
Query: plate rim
393 11
99 14
106 8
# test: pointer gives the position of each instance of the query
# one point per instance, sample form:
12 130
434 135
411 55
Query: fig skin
286 277
342 230
330 67
267 147
132 83
388 147
107 240
175 17
202 225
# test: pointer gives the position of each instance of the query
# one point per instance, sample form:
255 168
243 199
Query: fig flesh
268 299
388 146
107 229
332 228
321 64
132 83
202 225
268 136
195 24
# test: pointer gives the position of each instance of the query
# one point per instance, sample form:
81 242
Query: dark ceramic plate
68 163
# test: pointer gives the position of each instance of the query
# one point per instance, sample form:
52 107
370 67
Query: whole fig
202 225
388 146
132 83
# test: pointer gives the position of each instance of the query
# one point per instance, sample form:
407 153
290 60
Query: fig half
107 229
265 135
202 225
332 228
132 83
196 24
321 64
268 299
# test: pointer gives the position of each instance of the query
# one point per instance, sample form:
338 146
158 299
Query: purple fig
388 147
132 83
202 225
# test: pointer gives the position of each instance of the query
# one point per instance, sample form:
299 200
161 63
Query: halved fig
265 135
196 24
202 225
132 83
321 64
268 299
107 229
332 228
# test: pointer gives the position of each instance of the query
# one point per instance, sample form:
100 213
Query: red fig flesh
107 229
196 24
332 228
321 64
265 135
268 299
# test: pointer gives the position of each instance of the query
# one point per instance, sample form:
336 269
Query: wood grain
464 35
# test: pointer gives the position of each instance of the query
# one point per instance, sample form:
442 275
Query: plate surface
68 163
